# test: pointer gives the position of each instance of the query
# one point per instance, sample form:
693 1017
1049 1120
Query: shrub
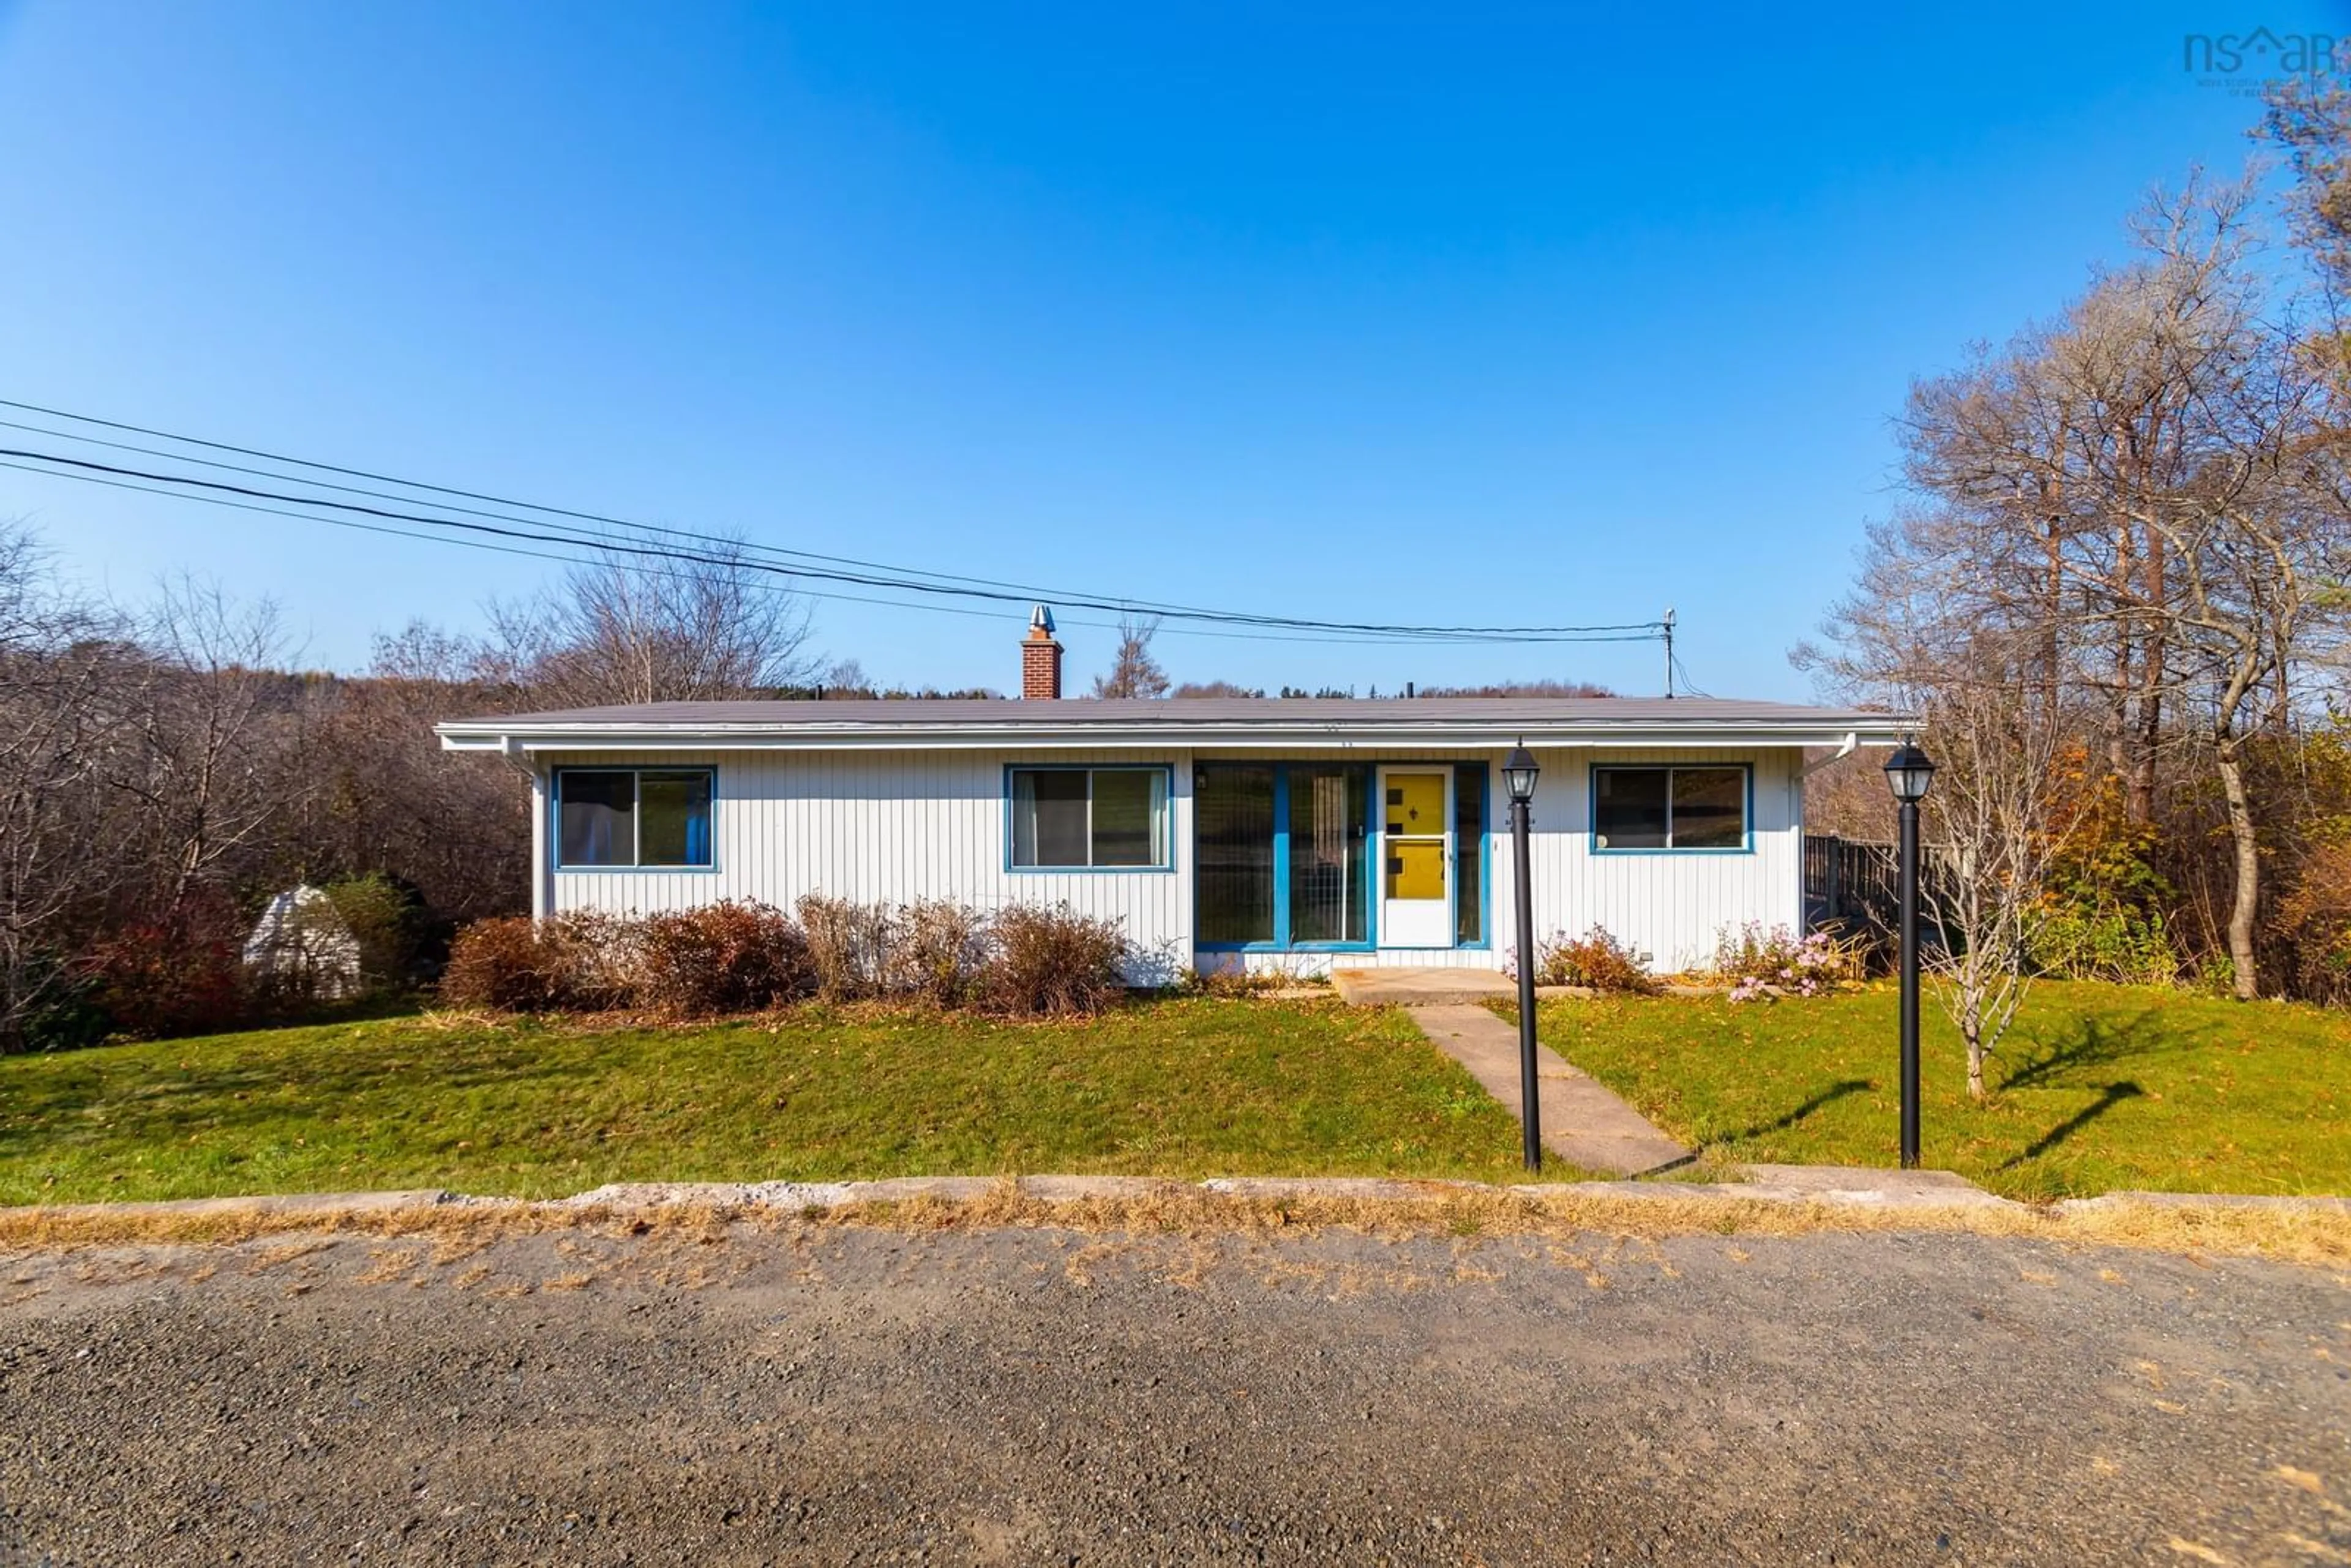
578 962
386 919
180 973
724 957
849 946
1594 960
939 951
736 957
67 1014
2128 946
1762 964
1243 982
1054 962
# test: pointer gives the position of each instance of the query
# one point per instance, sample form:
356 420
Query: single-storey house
1291 833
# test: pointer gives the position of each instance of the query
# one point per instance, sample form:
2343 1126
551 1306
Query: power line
1684 683
731 557
866 572
1343 640
777 550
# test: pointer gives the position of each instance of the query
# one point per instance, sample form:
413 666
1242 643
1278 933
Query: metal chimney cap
1041 619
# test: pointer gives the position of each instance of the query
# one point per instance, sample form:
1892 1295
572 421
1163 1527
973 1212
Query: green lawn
2098 1088
1186 1087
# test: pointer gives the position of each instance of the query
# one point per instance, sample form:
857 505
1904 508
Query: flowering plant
1762 964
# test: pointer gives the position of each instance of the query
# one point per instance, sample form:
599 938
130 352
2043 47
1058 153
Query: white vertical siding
889 827
930 824
1668 905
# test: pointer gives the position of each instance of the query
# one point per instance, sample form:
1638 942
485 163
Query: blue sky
1501 314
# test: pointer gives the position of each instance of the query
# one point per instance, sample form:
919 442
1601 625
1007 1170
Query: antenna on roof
1669 653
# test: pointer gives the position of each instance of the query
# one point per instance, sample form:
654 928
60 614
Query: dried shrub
1596 960
567 962
939 952
736 957
2314 918
1054 962
1230 982
724 957
849 946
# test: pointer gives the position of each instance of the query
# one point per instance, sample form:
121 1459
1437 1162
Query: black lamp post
1519 772
1909 772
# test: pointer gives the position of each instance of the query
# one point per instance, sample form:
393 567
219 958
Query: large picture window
629 817
1699 808
1089 819
1282 855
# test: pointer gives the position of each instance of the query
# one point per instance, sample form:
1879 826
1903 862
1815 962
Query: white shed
302 943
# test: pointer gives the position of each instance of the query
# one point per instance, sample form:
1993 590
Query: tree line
2115 595
163 769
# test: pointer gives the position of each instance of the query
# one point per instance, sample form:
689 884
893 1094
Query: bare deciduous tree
63 676
1993 830
1133 672
625 631
1922 638
211 714
2147 490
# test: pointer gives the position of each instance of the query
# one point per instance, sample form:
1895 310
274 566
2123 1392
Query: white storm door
1415 859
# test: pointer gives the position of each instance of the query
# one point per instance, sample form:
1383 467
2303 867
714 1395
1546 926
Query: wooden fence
1851 887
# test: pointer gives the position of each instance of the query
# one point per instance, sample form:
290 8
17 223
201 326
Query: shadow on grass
2091 1045
1828 1096
2108 1097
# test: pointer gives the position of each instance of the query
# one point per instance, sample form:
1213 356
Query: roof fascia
1833 731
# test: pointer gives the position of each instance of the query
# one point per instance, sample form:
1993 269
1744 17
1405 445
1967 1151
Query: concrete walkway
1582 1123
1418 986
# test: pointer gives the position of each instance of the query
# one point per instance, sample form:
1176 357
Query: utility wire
785 587
1683 684
733 557
864 573
777 550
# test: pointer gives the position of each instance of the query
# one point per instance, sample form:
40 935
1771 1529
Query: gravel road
842 1394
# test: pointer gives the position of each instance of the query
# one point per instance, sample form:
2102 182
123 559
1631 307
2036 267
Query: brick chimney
1040 660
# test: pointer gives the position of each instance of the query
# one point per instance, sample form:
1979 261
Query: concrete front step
1417 987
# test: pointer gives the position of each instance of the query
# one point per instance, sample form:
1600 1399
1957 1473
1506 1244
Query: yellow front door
1417 830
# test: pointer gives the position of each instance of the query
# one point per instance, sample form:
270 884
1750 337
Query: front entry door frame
1416 921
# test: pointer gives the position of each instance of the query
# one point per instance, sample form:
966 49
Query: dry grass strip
2314 1236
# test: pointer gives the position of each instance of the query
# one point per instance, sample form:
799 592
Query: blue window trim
554 816
1370 943
1166 771
1746 846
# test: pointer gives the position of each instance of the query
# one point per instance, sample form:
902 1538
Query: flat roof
1249 721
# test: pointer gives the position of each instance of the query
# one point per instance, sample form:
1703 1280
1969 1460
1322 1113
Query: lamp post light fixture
1519 774
1909 772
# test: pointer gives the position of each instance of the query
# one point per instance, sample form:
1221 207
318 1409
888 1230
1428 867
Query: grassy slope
2099 1087
1189 1087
